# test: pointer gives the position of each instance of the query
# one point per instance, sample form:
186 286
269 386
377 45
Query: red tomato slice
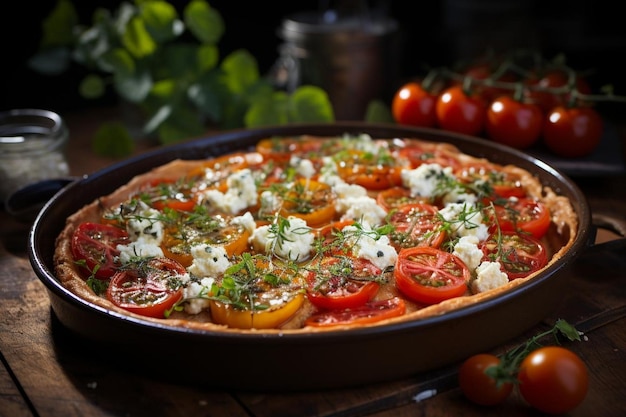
371 312
340 283
416 225
176 195
519 254
95 244
429 275
149 290
524 214
503 184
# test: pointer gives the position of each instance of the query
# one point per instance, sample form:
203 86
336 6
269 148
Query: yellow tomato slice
311 201
248 319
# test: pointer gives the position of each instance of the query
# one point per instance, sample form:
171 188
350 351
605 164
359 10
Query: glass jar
32 145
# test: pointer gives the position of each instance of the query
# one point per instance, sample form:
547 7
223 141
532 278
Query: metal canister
353 58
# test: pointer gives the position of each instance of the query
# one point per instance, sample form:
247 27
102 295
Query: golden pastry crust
559 239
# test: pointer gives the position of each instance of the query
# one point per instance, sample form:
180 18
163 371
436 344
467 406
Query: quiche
313 234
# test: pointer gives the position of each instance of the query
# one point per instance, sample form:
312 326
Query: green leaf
92 86
208 57
378 112
57 27
178 61
204 22
133 87
113 140
161 20
241 70
567 329
137 39
208 94
310 104
183 123
118 61
51 61
267 112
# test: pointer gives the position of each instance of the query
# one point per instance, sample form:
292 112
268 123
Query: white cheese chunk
208 260
294 242
241 193
465 220
142 248
488 277
467 249
195 294
427 180
375 248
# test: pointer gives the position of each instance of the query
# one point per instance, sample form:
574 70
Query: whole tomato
553 379
485 72
477 385
572 132
514 123
554 79
414 105
461 112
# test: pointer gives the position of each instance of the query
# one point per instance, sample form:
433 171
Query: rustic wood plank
61 381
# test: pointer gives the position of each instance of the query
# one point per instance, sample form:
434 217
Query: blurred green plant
170 67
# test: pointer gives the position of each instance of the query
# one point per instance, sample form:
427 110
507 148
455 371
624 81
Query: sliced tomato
203 228
519 254
332 238
500 183
524 214
151 289
95 244
342 282
429 275
372 171
311 201
176 195
282 149
395 197
371 312
416 225
419 153
224 313
257 293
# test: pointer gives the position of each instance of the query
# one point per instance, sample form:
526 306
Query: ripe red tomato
341 283
477 385
523 214
429 275
95 245
416 224
554 79
150 290
458 111
415 106
370 312
572 132
486 71
553 379
514 123
519 254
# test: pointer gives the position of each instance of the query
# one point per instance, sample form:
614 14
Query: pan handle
25 203
613 220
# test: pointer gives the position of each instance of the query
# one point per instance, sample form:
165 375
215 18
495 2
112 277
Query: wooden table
47 372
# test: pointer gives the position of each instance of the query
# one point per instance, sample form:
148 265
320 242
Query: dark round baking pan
303 361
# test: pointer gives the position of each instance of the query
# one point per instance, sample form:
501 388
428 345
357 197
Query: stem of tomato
507 369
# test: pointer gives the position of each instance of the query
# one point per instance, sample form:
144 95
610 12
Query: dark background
591 34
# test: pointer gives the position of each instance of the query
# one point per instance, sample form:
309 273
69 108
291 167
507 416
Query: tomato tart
308 234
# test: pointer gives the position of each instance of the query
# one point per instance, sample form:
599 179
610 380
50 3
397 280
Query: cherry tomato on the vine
514 123
461 112
553 379
413 105
480 387
554 79
572 132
